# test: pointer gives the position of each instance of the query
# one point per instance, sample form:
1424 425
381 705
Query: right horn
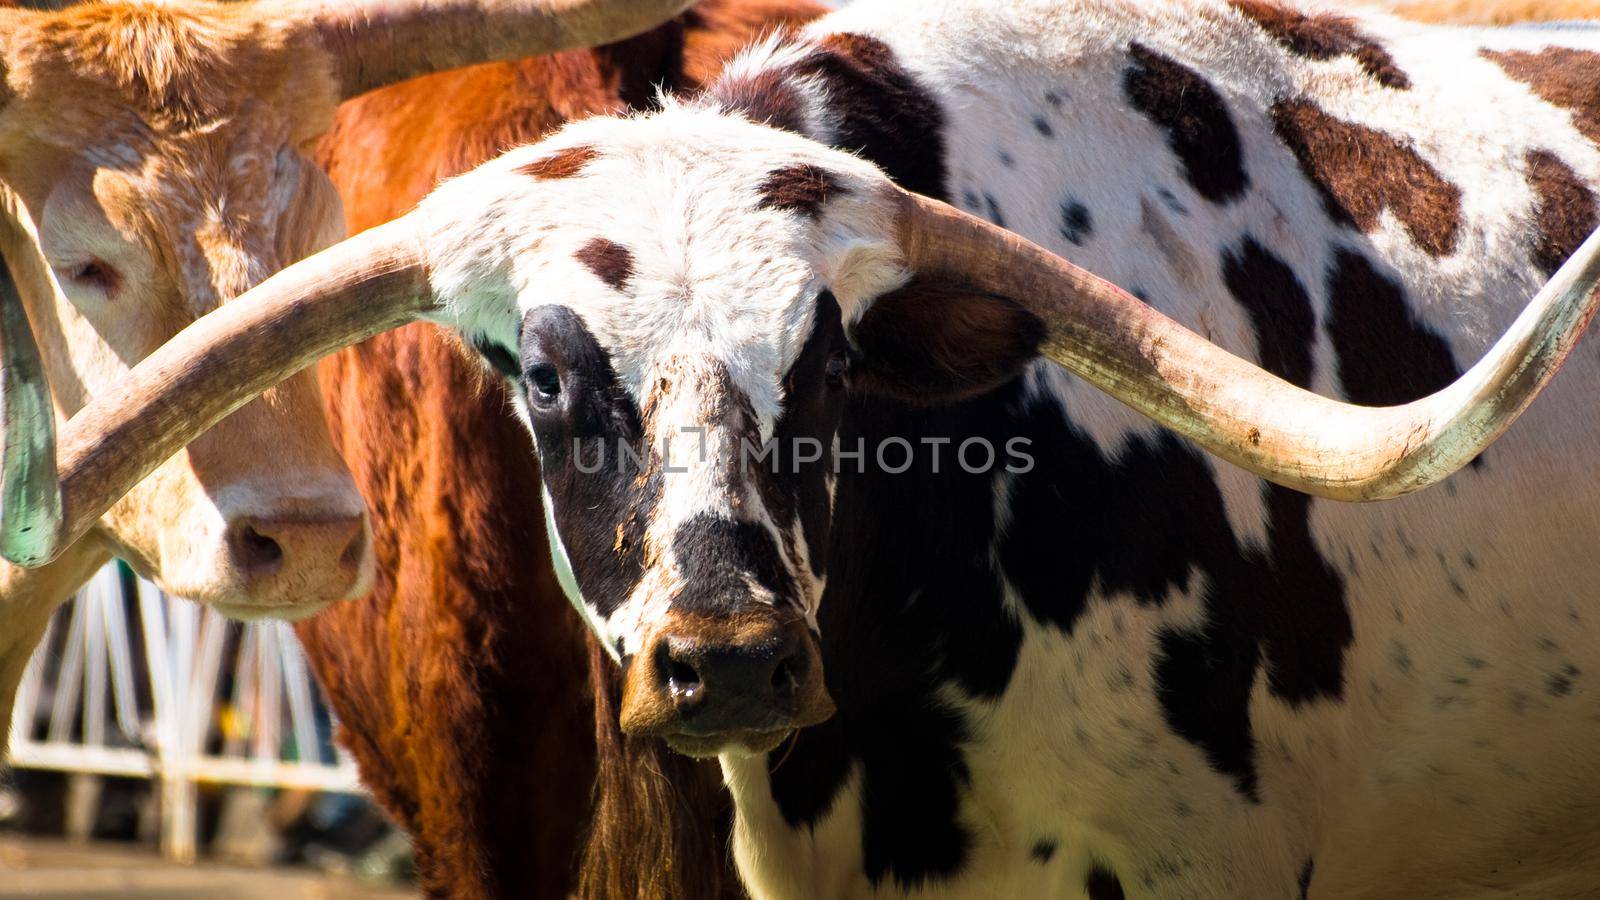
361 287
379 42
1229 406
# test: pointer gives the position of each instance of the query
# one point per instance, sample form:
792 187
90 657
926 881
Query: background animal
152 198
460 681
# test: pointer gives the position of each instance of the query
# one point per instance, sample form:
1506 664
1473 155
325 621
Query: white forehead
712 274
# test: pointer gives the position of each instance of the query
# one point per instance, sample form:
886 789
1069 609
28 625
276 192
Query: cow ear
932 342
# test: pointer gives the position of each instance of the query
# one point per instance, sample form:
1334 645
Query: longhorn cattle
155 161
953 622
458 684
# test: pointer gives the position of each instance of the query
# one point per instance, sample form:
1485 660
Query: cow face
159 152
683 301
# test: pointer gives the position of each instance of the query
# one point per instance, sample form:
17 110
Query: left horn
1237 411
368 284
379 42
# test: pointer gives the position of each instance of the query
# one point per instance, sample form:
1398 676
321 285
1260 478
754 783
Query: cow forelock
691 249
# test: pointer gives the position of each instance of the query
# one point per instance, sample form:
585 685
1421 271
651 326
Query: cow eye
838 367
545 380
93 274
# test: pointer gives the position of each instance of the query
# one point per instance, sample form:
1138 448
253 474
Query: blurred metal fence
217 702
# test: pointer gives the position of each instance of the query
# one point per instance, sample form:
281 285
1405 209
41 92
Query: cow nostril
256 551
784 678
353 551
682 678
786 686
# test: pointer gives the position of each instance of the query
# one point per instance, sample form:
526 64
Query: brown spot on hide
800 188
1360 172
1323 37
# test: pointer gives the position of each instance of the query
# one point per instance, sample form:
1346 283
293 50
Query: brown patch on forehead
1563 77
1324 37
800 188
609 261
1360 172
180 67
1563 209
561 164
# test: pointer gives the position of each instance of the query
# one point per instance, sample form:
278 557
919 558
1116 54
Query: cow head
156 156
677 296
684 385
159 151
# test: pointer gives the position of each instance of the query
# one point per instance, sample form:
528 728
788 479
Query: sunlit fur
1490 12
158 149
1420 779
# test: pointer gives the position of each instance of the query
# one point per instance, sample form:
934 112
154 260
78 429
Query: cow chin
256 612
736 744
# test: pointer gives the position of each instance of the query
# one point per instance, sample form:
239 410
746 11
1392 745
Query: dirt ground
60 871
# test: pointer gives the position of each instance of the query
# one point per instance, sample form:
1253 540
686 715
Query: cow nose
713 680
322 554
721 687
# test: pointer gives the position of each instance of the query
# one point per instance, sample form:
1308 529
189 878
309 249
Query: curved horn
1237 411
379 42
368 284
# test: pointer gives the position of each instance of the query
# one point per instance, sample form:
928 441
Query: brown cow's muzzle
737 683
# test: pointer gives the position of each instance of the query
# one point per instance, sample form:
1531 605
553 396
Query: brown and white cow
154 158
1066 651
458 682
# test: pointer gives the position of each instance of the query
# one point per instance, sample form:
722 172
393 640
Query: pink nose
317 557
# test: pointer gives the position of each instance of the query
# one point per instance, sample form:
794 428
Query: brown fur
561 164
936 343
609 261
456 681
767 98
799 188
1563 77
1324 37
1495 12
153 119
676 854
1564 213
1361 171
